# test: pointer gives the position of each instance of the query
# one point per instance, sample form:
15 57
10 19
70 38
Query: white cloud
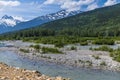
110 2
69 5
9 3
19 18
49 1
92 6
6 4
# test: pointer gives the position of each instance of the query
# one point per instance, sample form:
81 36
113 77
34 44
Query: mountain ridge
8 21
99 22
41 20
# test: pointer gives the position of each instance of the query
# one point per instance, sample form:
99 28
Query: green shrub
103 48
84 43
75 61
103 63
59 44
96 56
116 55
24 50
50 50
90 48
104 41
25 39
31 45
73 48
37 47
89 62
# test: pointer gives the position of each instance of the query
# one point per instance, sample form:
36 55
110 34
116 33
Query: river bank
12 73
76 58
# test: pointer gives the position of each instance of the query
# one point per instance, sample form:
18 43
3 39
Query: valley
75 44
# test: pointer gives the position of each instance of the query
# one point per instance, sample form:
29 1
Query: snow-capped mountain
59 15
10 21
46 18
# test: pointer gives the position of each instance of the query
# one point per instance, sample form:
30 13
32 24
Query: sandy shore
76 58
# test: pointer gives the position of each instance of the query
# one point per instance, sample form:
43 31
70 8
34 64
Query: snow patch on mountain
10 21
13 23
59 15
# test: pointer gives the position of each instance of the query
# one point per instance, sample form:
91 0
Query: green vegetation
50 50
24 50
89 63
104 42
37 47
103 48
91 48
96 56
116 54
103 63
59 44
45 49
73 48
96 23
43 56
84 43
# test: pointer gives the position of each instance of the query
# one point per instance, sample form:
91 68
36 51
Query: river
51 69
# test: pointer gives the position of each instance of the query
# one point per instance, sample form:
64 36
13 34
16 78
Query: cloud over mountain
69 5
110 2
30 9
92 6
72 5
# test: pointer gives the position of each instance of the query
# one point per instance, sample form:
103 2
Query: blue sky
29 9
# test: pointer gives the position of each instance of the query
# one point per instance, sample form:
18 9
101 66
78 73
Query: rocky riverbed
76 58
12 73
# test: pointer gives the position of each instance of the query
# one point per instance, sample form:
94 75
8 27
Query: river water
51 69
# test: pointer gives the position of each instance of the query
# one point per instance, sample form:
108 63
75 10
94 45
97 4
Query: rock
59 78
11 73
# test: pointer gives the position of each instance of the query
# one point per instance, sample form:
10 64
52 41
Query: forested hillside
100 22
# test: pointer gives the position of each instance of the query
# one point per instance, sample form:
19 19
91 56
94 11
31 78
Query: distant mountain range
8 23
102 22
